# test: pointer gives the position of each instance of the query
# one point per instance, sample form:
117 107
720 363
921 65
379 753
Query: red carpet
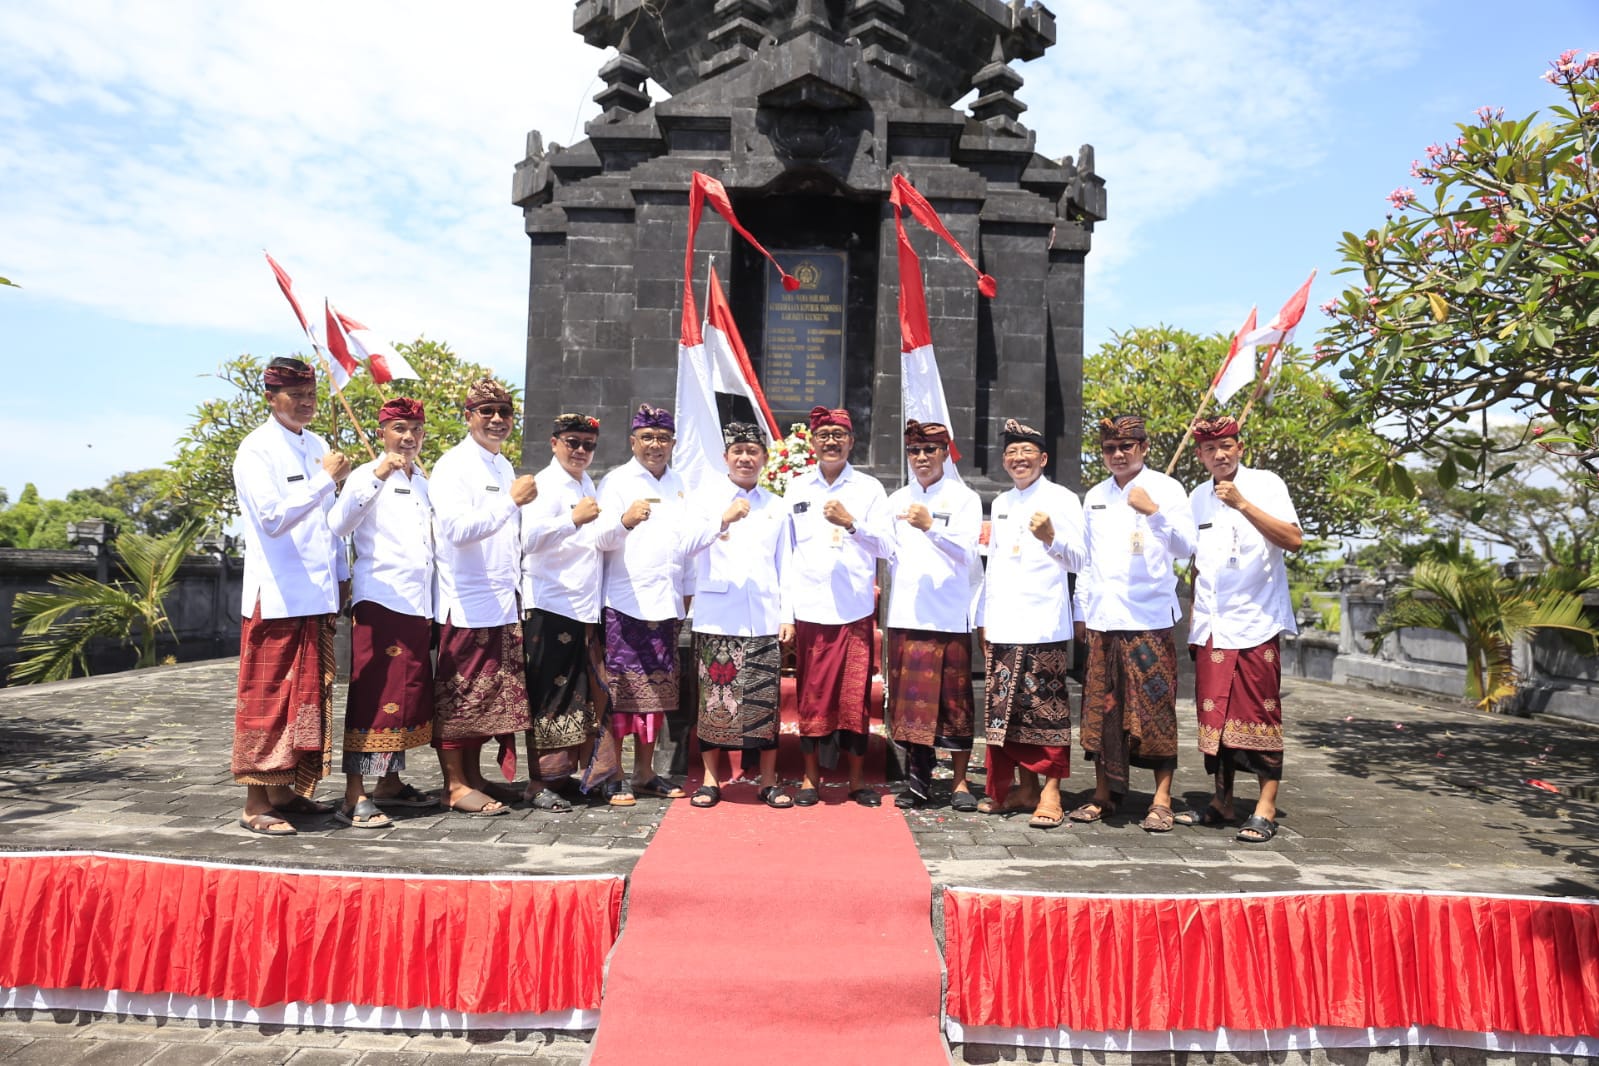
759 935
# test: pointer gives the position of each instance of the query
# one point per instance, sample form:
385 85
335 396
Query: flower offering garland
791 455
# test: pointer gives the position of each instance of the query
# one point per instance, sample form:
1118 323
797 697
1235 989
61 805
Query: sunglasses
494 410
577 444
1116 447
921 449
837 436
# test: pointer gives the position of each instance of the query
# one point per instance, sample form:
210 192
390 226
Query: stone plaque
802 358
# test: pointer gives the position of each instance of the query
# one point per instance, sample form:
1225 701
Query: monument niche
804 110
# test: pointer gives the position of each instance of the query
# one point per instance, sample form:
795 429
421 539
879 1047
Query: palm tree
1488 612
58 626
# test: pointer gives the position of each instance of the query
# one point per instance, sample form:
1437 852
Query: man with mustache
1246 520
296 576
839 524
385 506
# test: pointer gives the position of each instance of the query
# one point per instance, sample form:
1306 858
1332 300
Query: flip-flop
480 811
301 805
807 797
706 796
989 805
660 788
774 796
270 828
365 815
408 796
909 801
1092 811
545 799
964 802
1206 815
620 794
1158 819
1264 828
1046 818
867 797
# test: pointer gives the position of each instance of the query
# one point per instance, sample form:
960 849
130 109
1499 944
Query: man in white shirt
840 527
389 710
737 607
1035 544
1245 521
644 587
295 581
561 574
936 524
478 688
1139 524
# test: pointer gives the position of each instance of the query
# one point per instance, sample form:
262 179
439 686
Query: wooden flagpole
1188 434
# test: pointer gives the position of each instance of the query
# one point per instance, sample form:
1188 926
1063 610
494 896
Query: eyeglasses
1117 447
1026 451
494 410
831 436
654 438
577 444
921 449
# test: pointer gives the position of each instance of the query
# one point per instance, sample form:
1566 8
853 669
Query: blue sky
149 151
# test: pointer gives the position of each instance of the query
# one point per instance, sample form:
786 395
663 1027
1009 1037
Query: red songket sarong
283 716
1238 693
833 677
390 703
479 690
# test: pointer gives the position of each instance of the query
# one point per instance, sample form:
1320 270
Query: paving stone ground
1381 792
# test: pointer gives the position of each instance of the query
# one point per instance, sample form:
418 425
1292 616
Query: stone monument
804 109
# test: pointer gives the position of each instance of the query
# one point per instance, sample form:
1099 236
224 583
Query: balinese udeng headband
1014 432
926 433
283 372
830 416
402 407
1122 427
647 417
486 390
1214 428
742 433
572 422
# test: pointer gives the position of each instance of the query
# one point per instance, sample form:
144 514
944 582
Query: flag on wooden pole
1238 368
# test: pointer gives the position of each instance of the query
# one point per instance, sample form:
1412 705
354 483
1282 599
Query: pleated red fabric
265 937
1471 963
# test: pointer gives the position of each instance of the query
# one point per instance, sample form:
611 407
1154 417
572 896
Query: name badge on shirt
296 477
802 506
402 492
1001 517
652 499
941 516
1137 545
1096 507
491 488
836 540
1206 525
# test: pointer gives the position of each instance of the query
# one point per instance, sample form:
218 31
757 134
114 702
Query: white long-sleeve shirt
1241 597
561 564
738 575
832 573
1026 597
935 571
478 537
391 522
1129 583
645 574
293 562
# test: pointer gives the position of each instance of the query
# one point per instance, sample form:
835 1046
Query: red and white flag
921 388
344 365
1280 330
1238 369
385 363
287 285
715 379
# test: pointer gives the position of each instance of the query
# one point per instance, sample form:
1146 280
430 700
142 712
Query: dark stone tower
804 109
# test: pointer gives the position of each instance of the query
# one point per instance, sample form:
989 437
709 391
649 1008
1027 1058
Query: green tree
1482 295
1162 373
35 522
1488 612
58 627
203 468
146 499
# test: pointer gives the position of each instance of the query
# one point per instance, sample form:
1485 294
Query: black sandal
1206 815
867 797
964 802
807 797
774 796
1263 829
706 796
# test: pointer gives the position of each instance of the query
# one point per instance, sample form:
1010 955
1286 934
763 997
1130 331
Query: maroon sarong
479 691
833 677
390 703
641 659
1238 693
283 716
1130 702
1028 712
930 688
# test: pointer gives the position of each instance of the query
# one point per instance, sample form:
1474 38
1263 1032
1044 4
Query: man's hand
1139 500
1227 492
835 513
637 511
524 490
735 510
337 464
1041 527
785 633
1079 630
585 511
390 462
919 516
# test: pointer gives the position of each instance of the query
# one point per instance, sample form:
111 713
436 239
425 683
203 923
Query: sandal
301 805
488 808
706 796
408 796
1256 830
619 794
364 815
1047 817
1158 819
1092 811
546 799
270 827
807 797
1206 815
867 797
908 800
988 805
964 802
660 788
774 796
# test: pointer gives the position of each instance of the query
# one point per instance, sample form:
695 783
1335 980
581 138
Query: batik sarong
1238 693
479 691
930 688
1130 702
1027 708
389 708
738 691
833 679
641 660
556 651
283 715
